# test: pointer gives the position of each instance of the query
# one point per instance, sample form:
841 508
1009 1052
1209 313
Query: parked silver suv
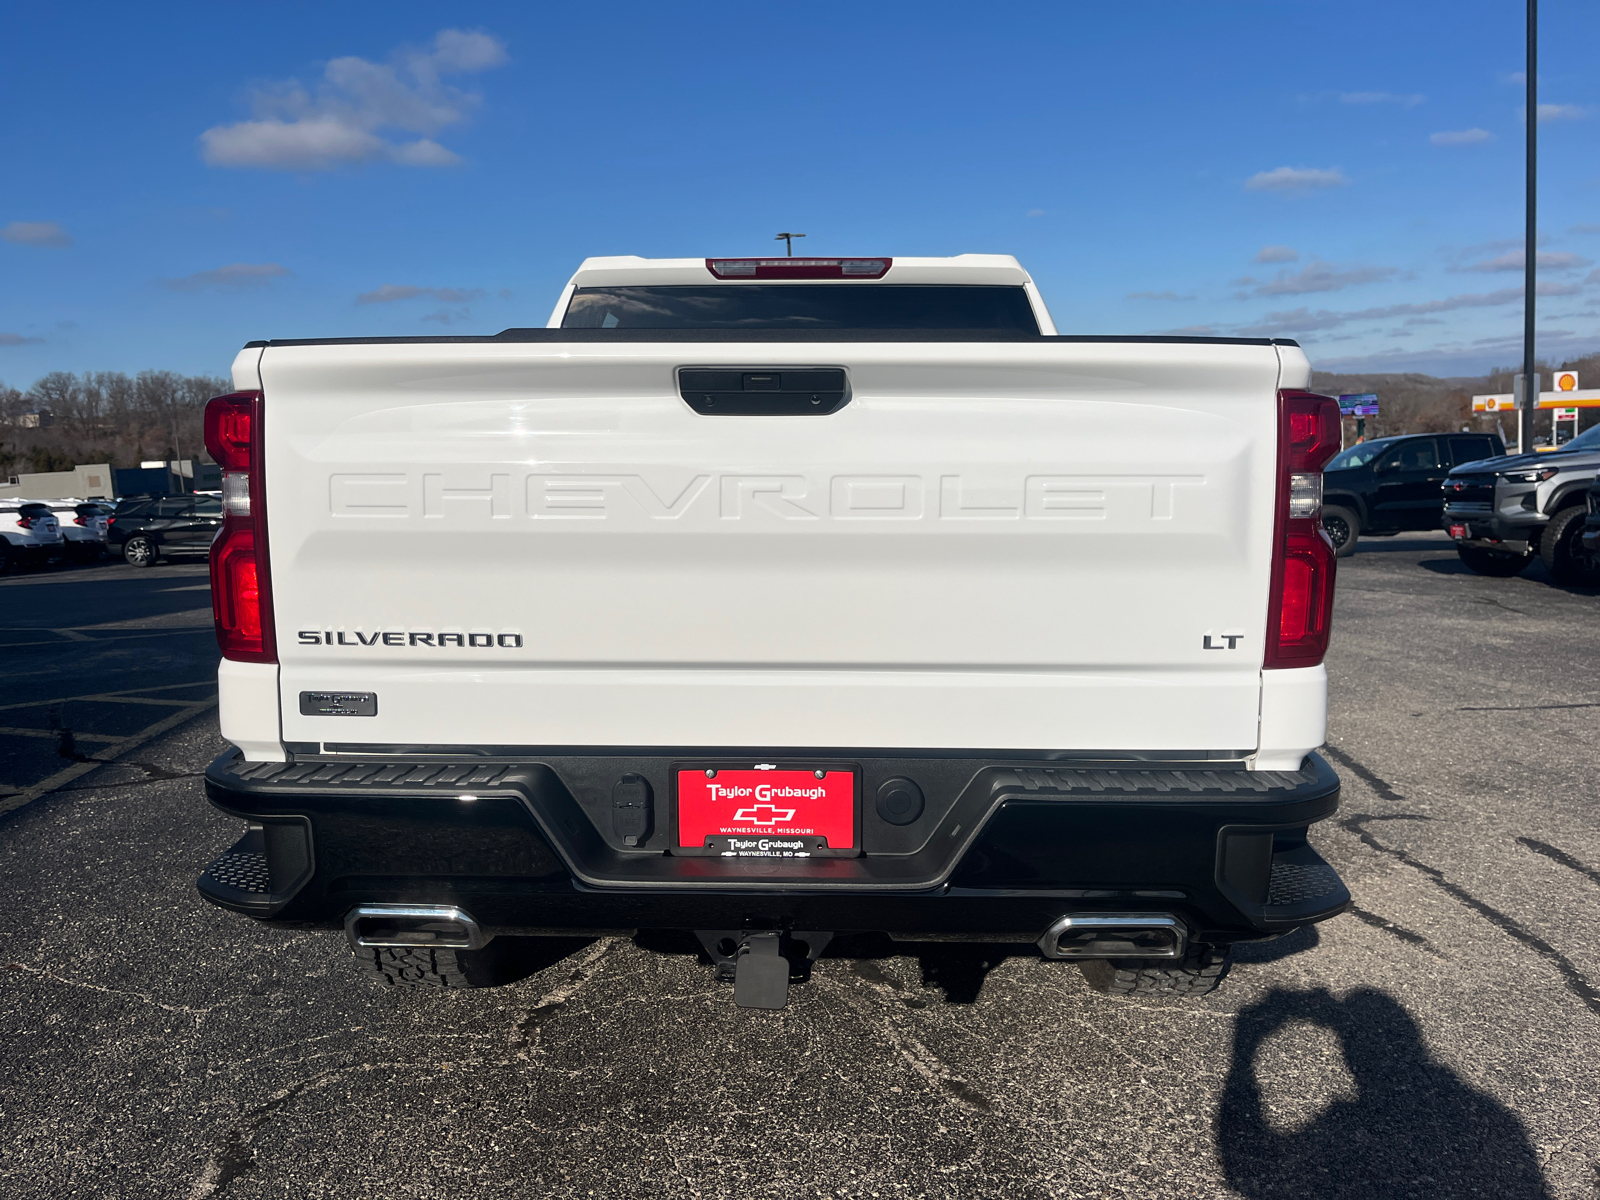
1504 511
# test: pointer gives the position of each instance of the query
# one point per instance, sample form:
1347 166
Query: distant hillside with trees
104 416
1425 404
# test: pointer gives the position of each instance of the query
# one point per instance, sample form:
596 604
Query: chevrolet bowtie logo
764 814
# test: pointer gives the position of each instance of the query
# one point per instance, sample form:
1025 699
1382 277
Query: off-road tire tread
414 966
1145 977
1566 564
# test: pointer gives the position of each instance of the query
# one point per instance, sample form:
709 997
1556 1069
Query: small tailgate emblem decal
338 704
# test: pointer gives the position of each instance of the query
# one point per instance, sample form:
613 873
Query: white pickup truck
775 599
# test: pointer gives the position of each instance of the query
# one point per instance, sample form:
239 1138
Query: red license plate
1458 531
766 813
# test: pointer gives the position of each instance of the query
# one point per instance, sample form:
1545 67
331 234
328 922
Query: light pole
1530 239
788 238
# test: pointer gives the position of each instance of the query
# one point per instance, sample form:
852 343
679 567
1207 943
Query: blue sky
179 179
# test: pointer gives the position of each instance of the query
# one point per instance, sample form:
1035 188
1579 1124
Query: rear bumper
1002 850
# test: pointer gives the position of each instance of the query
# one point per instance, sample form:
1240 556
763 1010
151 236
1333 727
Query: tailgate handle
764 391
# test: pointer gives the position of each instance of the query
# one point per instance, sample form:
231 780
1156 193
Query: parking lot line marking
110 754
133 700
114 635
21 731
125 696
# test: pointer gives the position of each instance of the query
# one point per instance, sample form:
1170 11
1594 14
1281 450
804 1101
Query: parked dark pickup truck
1391 485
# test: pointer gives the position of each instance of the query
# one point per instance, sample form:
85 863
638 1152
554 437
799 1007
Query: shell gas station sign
1564 393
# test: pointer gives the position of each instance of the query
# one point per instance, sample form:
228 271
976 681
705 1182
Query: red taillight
26 522
78 521
799 268
229 421
241 579
1300 611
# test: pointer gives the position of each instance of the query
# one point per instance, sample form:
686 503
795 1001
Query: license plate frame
741 841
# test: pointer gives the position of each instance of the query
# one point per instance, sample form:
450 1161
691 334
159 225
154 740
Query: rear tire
1502 564
1194 976
1343 526
140 552
1562 550
415 966
426 967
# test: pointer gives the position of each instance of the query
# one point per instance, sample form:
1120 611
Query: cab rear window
802 306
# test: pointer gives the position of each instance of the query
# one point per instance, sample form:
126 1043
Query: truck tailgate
1050 545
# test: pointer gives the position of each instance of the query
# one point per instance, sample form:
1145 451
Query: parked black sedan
1392 484
145 528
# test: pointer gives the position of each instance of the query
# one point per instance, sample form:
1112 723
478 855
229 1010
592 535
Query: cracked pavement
1441 1040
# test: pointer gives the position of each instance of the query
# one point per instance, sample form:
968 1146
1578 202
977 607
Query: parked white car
30 534
83 527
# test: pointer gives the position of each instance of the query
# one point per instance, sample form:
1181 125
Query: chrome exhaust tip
439 926
1115 935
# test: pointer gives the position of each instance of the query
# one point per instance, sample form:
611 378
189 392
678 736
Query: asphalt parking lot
1442 1040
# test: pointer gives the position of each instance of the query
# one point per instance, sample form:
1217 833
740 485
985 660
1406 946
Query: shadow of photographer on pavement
1414 1128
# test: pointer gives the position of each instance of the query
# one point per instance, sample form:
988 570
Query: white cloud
1276 254
232 278
36 233
1295 179
1461 137
1156 296
401 291
445 316
16 339
1321 277
1592 277
1304 320
1036 212
1189 331
1475 357
1583 228
1544 260
354 104
1404 101
1559 112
